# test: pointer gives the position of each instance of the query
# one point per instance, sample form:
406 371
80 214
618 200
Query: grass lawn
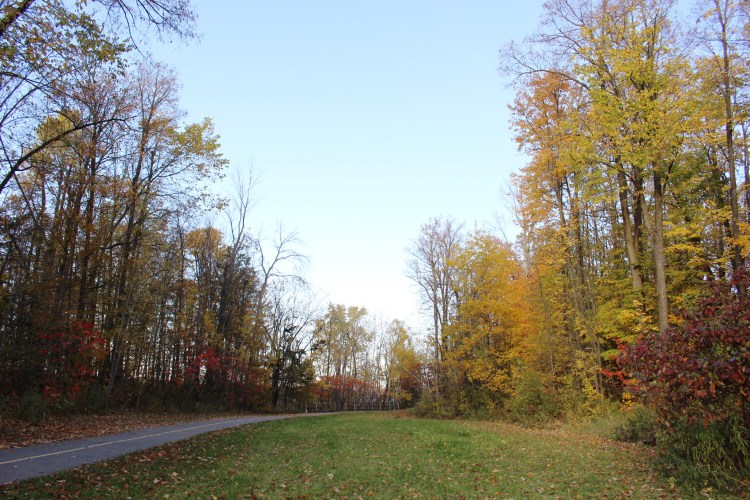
370 455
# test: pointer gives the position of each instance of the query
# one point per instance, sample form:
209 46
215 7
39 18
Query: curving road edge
17 464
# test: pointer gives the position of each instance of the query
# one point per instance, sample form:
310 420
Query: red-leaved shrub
696 376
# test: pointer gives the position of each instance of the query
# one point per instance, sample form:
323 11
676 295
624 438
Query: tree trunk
437 350
746 171
658 254
631 233
86 305
729 124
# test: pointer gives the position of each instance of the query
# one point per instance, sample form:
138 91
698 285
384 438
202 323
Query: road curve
40 460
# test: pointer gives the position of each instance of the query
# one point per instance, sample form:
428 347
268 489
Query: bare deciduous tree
429 268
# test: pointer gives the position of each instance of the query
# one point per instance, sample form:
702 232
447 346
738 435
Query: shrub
68 357
697 378
639 425
33 407
427 407
534 401
92 398
716 453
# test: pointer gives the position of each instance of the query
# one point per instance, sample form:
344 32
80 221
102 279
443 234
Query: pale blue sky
362 120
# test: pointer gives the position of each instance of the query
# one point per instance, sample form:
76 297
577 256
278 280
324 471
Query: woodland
114 293
625 289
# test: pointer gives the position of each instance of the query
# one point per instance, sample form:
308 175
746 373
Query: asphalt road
40 460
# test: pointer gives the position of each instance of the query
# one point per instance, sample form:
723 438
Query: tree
43 43
624 56
727 72
491 322
429 269
35 76
342 340
289 317
165 171
625 202
166 16
402 366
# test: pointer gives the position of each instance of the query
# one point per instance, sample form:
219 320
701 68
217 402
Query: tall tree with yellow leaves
491 323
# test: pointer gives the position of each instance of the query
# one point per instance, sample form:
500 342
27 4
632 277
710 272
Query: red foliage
701 369
618 375
244 386
240 383
68 360
207 360
342 391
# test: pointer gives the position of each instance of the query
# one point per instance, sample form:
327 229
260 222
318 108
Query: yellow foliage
492 320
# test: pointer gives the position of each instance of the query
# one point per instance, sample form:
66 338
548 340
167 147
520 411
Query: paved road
40 460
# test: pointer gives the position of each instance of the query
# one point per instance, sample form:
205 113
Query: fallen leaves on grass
18 433
371 455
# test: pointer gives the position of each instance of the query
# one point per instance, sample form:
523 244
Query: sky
360 121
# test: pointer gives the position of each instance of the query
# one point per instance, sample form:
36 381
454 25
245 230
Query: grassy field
370 455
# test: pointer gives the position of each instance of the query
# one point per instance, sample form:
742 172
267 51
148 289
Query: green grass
369 455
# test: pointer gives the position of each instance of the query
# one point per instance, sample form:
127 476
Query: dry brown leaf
18 433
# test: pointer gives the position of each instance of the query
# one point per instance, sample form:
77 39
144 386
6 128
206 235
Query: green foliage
540 399
534 400
638 426
33 407
714 454
92 399
427 407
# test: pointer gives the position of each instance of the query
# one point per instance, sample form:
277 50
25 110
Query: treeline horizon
114 290
634 234
627 285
